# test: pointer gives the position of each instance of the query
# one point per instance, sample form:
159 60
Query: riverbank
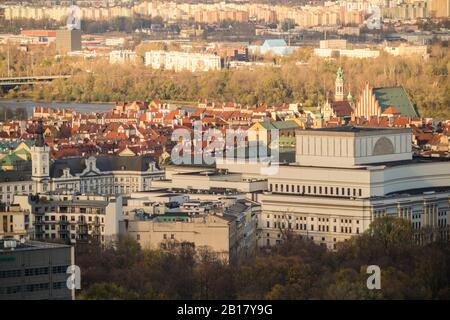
29 104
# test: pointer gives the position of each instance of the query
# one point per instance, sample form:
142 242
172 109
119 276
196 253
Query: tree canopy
296 269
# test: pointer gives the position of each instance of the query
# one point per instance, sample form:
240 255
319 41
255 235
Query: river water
80 107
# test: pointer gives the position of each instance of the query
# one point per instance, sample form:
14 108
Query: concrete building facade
68 40
34 270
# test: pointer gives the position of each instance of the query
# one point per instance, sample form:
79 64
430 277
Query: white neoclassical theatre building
345 177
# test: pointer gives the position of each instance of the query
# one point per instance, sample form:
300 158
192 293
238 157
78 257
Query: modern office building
68 40
179 61
31 270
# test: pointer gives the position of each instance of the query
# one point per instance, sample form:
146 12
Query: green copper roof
171 217
319 113
289 124
396 97
10 160
22 151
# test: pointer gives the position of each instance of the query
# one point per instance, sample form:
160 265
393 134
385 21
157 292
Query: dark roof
342 108
349 129
14 175
396 97
103 163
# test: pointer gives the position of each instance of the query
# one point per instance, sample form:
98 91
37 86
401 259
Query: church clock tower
40 159
339 85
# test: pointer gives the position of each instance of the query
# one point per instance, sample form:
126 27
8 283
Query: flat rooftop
30 245
414 160
347 130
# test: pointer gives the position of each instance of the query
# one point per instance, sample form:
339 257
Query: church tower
339 85
318 119
40 161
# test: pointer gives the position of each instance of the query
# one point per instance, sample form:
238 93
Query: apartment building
406 50
181 61
72 218
226 228
122 56
14 222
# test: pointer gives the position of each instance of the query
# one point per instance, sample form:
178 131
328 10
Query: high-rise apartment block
68 40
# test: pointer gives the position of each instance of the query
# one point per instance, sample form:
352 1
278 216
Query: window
138 237
59 269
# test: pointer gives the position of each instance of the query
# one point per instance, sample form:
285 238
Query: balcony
82 230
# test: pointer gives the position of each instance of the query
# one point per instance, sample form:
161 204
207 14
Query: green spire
319 113
349 97
340 74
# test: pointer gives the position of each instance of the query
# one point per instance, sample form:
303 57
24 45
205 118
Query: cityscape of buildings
228 177
331 13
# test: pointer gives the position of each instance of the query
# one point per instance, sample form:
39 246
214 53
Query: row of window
26 288
29 272
289 217
72 236
321 228
81 218
16 188
315 190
